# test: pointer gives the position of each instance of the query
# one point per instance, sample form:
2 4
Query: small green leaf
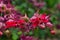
20 32
36 32
30 33
14 36
53 19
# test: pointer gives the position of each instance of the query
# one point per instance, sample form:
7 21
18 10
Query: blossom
2 4
9 5
35 22
2 25
44 18
21 23
10 24
1 33
42 26
53 32
1 19
49 24
12 18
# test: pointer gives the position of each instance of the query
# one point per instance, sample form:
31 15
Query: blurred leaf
42 33
36 32
30 12
39 33
31 33
3 37
58 1
53 19
14 36
14 33
51 3
20 32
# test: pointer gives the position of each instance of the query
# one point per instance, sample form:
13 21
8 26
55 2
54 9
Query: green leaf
20 32
39 33
14 36
42 33
14 33
31 33
30 12
51 3
53 19
36 32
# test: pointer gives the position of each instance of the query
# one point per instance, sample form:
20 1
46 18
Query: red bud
52 32
1 33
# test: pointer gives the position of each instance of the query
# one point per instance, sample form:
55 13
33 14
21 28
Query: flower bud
1 33
7 31
42 26
52 32
49 24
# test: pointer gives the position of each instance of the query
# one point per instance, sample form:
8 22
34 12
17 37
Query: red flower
10 24
35 22
44 18
21 23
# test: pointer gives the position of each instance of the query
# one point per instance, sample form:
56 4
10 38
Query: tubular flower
49 24
1 33
35 22
44 18
21 23
53 32
10 24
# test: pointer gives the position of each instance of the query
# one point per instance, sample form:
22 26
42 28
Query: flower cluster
10 18
8 15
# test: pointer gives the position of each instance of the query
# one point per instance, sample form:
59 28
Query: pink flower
1 18
42 26
49 24
9 5
1 33
2 25
42 4
53 32
2 4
